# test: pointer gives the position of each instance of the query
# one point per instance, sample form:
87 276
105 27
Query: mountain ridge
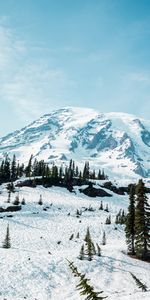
117 142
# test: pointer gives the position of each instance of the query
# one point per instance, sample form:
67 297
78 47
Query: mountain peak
118 142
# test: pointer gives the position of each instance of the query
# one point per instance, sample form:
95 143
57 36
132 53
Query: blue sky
89 53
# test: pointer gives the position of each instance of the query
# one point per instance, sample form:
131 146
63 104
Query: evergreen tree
11 187
117 219
9 196
71 237
90 248
16 201
28 169
101 206
139 283
80 175
84 287
86 170
78 214
76 171
13 169
47 171
77 235
99 176
6 243
35 168
103 177
23 201
106 209
88 235
108 220
92 175
20 170
6 169
81 256
40 202
61 172
54 172
71 170
142 223
130 221
98 250
104 238
123 217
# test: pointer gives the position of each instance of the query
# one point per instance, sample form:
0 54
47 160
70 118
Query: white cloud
29 85
35 88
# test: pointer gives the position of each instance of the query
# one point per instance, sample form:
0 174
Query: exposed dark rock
10 208
139 170
145 135
118 190
94 192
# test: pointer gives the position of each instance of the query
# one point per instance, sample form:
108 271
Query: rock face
117 142
95 192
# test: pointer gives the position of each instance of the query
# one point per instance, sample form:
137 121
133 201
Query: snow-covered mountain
117 142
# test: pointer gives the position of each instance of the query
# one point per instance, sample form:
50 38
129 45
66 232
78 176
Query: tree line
10 170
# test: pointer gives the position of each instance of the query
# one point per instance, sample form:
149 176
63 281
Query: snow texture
36 267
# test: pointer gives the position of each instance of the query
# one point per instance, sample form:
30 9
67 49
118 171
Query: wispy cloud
35 89
139 77
29 85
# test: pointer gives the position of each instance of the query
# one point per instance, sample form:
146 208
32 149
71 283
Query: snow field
36 266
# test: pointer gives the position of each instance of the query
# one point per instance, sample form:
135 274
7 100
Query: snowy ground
36 266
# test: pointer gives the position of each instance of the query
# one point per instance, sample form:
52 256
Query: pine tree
13 169
81 256
16 201
54 171
108 220
84 287
23 201
80 175
78 214
101 206
142 223
61 172
123 217
130 221
76 171
88 235
71 237
139 283
117 219
10 187
99 176
40 202
104 238
77 235
106 209
98 250
6 169
28 169
9 196
90 248
86 170
6 243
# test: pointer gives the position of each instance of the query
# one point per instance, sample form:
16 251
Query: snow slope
117 142
36 266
